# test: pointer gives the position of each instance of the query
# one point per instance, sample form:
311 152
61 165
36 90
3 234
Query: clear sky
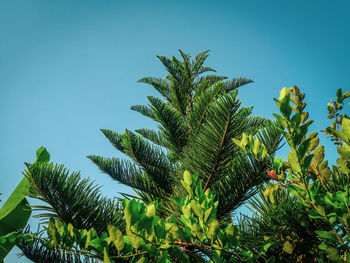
69 68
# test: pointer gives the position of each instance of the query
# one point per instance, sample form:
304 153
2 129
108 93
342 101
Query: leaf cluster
318 193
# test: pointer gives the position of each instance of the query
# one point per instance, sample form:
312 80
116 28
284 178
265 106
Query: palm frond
174 69
127 173
71 199
211 150
202 105
239 184
270 135
161 85
204 69
114 138
236 83
173 126
246 173
150 159
198 61
144 110
153 136
254 123
186 64
39 253
204 82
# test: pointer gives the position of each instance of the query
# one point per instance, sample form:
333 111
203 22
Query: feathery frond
71 198
197 119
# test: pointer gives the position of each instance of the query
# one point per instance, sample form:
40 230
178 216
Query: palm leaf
236 83
71 199
144 110
173 126
211 150
38 252
154 136
161 85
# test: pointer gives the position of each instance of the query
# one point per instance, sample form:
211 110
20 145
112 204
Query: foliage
197 117
14 215
334 107
16 211
306 181
150 238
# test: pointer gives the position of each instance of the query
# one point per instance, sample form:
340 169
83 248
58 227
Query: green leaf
187 178
164 258
14 214
208 215
213 226
333 254
339 94
319 155
134 240
285 108
283 93
142 260
151 209
277 164
131 212
300 132
302 149
344 153
307 162
98 244
326 235
70 229
238 143
117 237
42 155
197 208
345 125
244 140
346 95
257 145
293 161
314 215
105 256
288 247
322 246
267 246
296 119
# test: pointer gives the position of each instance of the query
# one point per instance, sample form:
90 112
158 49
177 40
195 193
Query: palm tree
197 118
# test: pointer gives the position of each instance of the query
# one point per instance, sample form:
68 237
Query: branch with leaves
149 238
324 193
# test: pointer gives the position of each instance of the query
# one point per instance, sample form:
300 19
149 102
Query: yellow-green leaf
187 178
116 236
105 256
151 209
71 229
288 247
213 226
284 92
293 161
257 145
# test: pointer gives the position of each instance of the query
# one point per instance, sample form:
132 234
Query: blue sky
69 68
